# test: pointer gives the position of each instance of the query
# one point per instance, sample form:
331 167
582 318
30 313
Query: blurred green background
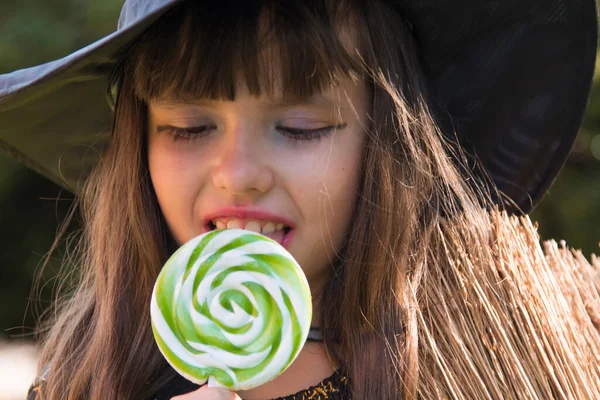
36 31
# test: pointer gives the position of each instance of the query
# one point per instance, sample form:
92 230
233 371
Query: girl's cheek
175 161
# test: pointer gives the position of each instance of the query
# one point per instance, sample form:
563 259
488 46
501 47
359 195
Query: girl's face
259 163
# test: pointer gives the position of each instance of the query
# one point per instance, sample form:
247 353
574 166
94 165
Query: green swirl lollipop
231 307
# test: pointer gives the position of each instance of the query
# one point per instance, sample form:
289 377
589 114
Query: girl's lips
276 236
283 237
287 238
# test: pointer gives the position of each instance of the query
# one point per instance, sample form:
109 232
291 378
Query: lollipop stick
213 383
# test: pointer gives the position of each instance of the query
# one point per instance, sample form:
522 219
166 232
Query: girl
329 126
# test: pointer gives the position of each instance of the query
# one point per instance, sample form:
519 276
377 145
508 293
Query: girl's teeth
268 228
253 226
234 224
221 225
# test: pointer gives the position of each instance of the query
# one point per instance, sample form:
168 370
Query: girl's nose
241 165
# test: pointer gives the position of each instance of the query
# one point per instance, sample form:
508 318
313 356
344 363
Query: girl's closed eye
292 133
181 133
298 134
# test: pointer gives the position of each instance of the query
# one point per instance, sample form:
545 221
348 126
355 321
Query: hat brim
55 117
513 78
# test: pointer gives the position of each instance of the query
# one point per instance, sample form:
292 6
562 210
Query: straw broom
521 321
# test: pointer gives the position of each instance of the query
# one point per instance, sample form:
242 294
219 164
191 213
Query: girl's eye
298 134
176 133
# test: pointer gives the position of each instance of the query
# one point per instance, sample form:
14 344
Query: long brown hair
423 253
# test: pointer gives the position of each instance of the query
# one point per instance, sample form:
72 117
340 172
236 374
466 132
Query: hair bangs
274 48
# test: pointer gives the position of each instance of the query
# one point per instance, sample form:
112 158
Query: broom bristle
523 323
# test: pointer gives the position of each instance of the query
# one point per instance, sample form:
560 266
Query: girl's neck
311 367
